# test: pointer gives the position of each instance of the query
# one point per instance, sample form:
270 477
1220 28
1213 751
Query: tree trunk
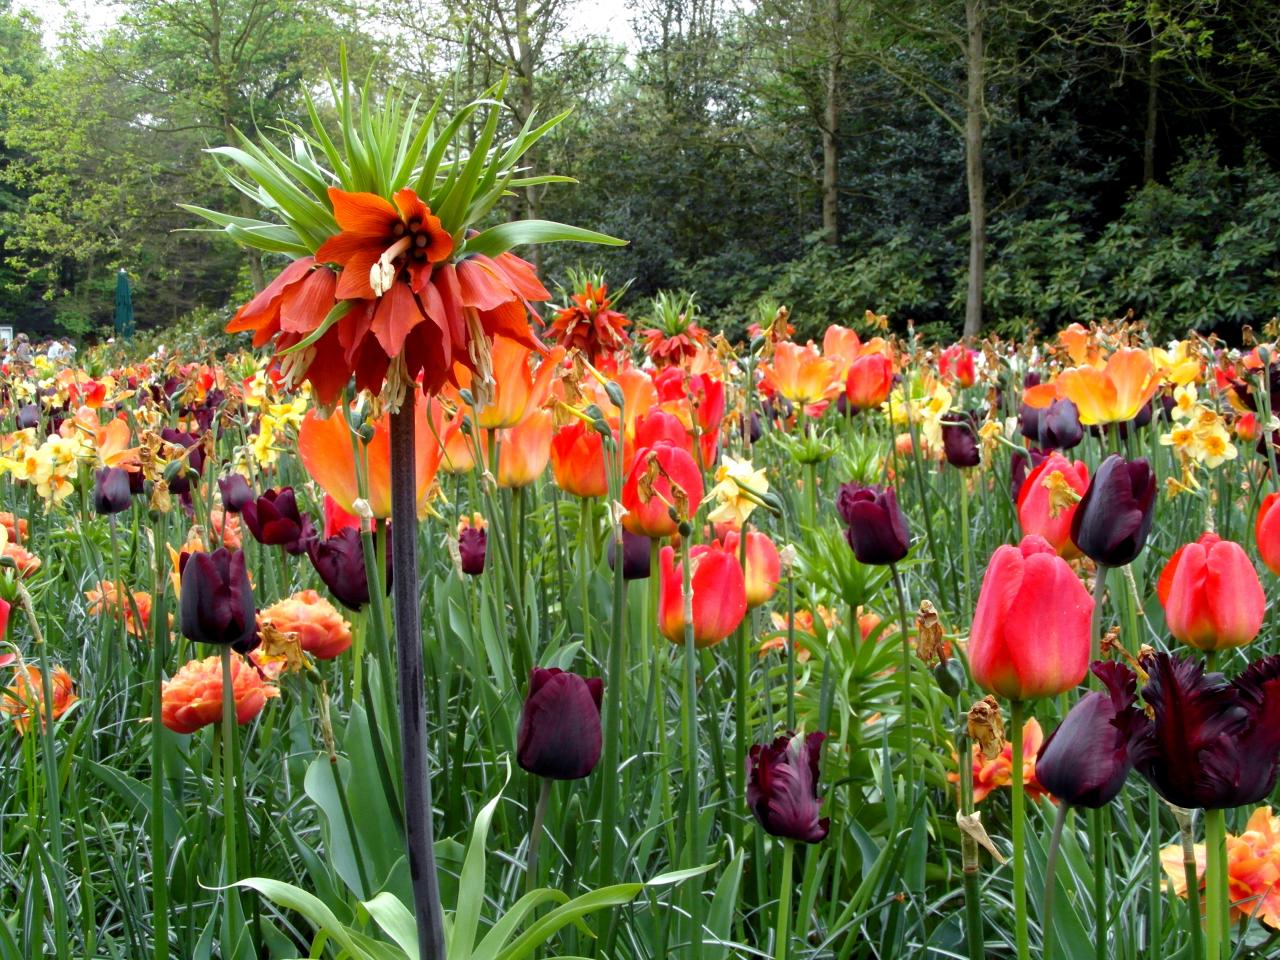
1153 117
830 131
974 173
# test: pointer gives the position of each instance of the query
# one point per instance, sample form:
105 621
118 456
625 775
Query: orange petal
363 213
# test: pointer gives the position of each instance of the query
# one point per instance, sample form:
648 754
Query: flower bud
559 736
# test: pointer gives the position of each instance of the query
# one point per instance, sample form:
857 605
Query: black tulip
236 493
217 599
274 520
782 787
635 555
1085 761
28 416
111 492
877 530
960 442
473 545
339 560
1113 519
559 736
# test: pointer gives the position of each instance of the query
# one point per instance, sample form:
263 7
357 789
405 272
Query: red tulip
1045 504
1031 632
1267 530
956 363
1211 595
763 568
577 461
663 476
869 381
719 595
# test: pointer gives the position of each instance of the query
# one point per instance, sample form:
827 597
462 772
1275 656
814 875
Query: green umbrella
124 306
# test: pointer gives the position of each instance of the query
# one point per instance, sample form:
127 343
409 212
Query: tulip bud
782 787
236 494
877 530
1032 630
217 599
960 443
559 736
111 492
1113 519
635 555
473 543
1211 595
1085 761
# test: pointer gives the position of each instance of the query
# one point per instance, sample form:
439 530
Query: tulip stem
692 837
535 835
409 677
1051 880
783 940
159 844
1017 718
908 720
1192 876
1099 594
229 795
1097 840
1217 933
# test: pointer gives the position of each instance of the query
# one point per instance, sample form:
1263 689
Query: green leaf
466 919
294 898
505 928
395 920
504 236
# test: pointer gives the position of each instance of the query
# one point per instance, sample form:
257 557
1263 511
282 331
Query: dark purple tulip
1060 427
340 562
28 416
559 736
635 555
1085 761
960 442
217 598
111 490
181 482
1022 463
877 529
1211 743
236 493
1032 379
782 787
1113 519
473 545
274 520
137 483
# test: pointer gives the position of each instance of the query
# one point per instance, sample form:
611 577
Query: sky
601 17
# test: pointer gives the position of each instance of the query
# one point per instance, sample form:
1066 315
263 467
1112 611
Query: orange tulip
523 450
518 390
1253 869
109 599
577 460
193 698
843 346
869 381
327 449
1114 393
25 696
319 627
802 375
990 775
763 568
662 477
719 595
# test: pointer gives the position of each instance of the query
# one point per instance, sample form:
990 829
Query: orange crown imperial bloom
25 696
193 698
590 325
319 627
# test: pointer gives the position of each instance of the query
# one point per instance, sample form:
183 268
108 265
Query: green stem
908 752
159 844
1019 816
1192 876
229 791
535 834
693 842
1051 881
1217 933
784 902
1097 840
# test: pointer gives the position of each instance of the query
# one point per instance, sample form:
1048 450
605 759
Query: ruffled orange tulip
1114 393
1253 869
193 698
327 449
109 599
990 775
319 627
25 696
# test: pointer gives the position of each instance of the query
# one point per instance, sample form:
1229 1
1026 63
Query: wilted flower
193 697
994 773
782 787
559 736
320 629
663 478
